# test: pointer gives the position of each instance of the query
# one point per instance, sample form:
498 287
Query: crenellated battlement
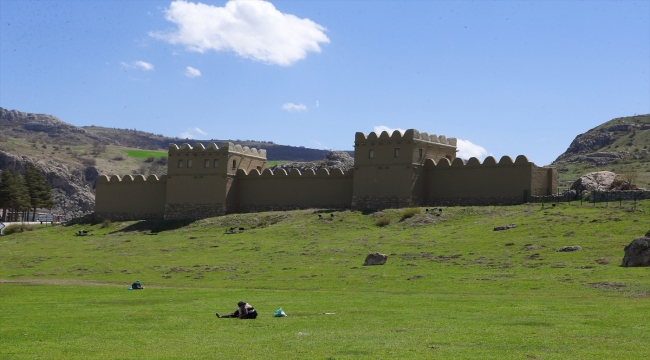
472 162
226 148
408 135
293 173
115 179
411 147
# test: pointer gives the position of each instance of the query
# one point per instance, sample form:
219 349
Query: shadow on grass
155 226
328 211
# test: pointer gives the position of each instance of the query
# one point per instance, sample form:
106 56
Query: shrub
409 213
106 223
15 228
149 159
162 160
88 162
383 221
118 158
263 222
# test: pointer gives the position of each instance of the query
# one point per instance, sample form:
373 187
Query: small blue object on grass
129 288
279 313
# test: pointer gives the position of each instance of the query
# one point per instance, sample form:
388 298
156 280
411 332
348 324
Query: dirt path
56 282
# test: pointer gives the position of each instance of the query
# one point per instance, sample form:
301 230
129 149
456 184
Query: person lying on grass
244 311
137 286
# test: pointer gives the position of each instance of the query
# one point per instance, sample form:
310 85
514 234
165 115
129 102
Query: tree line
24 193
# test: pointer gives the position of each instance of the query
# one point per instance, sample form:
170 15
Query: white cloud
468 150
192 133
380 128
317 103
192 72
252 29
139 64
291 107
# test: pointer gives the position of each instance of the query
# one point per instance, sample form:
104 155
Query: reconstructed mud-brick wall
391 171
130 197
267 191
489 183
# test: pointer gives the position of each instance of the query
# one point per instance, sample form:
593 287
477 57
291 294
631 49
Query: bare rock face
599 180
638 252
375 259
71 189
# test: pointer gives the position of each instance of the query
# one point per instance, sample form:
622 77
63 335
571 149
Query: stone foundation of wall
385 202
193 211
126 216
627 195
599 196
476 201
238 209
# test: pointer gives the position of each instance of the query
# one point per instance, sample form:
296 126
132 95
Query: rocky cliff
71 188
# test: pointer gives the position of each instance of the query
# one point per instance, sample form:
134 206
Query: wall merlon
489 161
115 179
226 148
409 135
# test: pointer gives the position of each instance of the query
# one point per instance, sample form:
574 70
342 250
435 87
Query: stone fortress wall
390 171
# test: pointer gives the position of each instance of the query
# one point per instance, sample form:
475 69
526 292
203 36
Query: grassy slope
452 287
71 155
143 154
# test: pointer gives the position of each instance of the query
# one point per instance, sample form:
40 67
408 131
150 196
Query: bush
383 221
106 223
162 160
119 158
409 212
149 159
16 228
88 162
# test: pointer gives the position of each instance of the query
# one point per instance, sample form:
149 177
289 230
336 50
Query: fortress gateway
390 171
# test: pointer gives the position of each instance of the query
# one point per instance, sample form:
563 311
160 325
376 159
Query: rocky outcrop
609 142
569 248
638 252
22 125
71 189
333 160
599 180
375 259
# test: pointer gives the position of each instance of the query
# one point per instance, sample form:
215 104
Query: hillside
144 140
621 145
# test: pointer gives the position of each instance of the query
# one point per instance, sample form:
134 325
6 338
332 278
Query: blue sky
504 77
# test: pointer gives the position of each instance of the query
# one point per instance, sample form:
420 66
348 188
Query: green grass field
143 154
452 287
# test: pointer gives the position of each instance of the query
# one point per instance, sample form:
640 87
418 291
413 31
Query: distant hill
619 145
145 140
49 129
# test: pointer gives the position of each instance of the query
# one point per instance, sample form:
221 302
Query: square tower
389 169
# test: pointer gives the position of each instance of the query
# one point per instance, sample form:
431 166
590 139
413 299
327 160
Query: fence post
593 197
620 199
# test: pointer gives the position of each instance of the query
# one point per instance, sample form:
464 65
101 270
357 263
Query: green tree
13 192
40 192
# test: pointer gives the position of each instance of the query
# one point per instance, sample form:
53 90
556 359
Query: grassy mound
452 287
